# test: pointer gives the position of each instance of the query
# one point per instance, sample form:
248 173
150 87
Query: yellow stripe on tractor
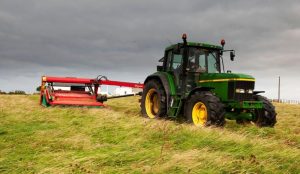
226 80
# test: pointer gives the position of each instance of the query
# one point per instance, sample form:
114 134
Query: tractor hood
222 77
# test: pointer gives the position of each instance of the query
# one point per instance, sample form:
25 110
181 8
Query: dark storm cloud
124 39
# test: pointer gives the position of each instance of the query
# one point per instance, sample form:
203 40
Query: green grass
116 139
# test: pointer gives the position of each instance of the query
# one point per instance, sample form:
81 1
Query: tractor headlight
250 91
240 90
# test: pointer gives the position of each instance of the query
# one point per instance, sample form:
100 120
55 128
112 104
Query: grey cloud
124 39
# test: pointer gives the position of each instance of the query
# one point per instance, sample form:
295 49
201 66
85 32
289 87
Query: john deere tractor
192 82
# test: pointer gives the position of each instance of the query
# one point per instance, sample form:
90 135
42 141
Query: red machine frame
76 97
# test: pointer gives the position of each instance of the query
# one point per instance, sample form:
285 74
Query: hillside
117 139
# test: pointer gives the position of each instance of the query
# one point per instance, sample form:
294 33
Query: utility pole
279 89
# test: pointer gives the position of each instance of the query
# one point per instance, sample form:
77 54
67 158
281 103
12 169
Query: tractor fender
165 83
199 89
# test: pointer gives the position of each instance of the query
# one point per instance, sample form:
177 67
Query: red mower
72 91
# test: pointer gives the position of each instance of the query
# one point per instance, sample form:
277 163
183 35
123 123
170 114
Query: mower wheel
265 117
153 103
204 109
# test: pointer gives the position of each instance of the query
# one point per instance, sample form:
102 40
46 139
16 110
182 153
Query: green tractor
192 82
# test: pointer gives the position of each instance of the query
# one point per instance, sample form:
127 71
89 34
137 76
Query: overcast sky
125 39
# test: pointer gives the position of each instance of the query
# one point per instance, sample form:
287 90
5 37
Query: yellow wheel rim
199 114
152 103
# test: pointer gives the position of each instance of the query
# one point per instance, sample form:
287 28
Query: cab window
174 60
197 60
177 61
212 63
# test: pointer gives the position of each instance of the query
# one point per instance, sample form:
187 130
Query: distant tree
18 92
2 92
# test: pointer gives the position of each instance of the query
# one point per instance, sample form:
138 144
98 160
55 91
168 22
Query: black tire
157 91
215 109
265 117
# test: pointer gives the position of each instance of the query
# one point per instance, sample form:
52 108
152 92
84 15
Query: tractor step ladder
175 108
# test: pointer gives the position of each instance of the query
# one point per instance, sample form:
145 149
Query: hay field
117 139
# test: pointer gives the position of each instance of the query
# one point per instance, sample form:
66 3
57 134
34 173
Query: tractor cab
198 59
188 60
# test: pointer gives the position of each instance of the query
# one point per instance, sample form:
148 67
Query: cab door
195 67
174 67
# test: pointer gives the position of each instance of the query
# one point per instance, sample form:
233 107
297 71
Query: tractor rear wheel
153 103
204 109
265 117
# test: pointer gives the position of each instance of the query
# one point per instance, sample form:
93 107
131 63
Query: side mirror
232 55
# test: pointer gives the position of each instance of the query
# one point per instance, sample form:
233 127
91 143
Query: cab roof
196 44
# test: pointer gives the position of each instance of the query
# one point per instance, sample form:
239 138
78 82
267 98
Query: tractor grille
246 85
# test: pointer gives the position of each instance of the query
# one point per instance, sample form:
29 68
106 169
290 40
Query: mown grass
117 139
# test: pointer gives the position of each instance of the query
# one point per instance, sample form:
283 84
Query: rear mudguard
167 82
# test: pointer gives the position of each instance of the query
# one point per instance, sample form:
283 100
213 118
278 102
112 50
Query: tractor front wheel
265 117
204 109
153 103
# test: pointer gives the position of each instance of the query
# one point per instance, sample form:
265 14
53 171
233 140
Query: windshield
202 60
